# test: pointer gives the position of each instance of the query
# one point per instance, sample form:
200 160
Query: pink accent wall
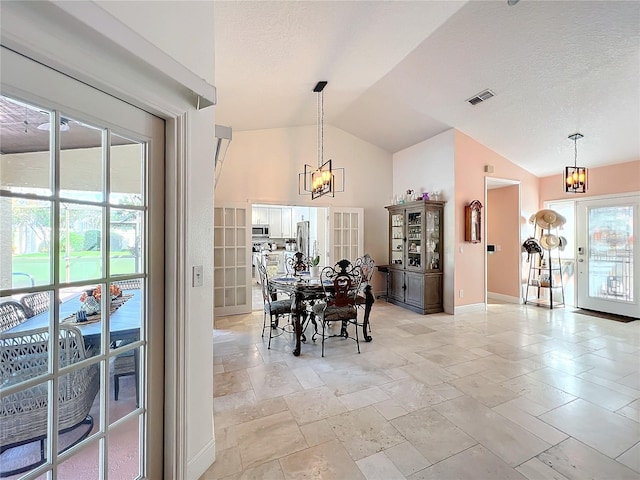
503 230
470 159
611 179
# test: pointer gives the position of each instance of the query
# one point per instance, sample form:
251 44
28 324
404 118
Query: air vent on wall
481 97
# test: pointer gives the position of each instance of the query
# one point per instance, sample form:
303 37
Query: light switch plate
197 276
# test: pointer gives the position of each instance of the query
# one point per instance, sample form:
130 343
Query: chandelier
321 180
575 178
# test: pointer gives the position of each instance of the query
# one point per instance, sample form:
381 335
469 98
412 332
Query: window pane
80 161
80 229
25 159
126 237
25 256
125 381
124 450
126 171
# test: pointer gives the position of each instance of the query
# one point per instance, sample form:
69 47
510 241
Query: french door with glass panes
232 259
608 258
81 279
346 233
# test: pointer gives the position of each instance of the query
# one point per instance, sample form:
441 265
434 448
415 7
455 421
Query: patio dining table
303 289
124 322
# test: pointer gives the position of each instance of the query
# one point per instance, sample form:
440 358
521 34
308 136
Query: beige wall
619 178
503 222
470 159
262 166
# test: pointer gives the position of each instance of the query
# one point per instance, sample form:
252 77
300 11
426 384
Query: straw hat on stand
548 219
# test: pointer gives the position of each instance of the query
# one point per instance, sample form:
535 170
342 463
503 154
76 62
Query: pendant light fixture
575 178
321 180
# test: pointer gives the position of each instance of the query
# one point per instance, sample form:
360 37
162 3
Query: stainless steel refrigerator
302 238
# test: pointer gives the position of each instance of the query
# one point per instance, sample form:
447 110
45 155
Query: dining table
124 322
304 289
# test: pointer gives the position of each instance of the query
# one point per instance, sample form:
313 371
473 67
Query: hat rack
544 282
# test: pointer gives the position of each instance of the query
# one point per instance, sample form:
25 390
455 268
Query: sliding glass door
81 279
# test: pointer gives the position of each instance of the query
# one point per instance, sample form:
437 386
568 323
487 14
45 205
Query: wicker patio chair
131 284
35 303
24 413
12 313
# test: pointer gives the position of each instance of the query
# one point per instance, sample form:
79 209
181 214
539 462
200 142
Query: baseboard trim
201 462
472 307
504 298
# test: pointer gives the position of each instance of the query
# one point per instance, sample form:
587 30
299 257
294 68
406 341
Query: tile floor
513 392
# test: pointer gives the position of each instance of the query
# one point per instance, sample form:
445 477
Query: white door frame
85 42
497 183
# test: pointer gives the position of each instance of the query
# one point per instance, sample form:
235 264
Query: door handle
581 259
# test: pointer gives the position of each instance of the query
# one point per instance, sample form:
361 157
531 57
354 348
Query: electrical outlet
461 293
197 274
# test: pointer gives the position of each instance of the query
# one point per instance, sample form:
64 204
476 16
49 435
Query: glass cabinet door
396 245
433 238
414 240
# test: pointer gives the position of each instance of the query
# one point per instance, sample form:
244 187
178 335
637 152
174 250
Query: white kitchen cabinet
288 231
275 222
260 216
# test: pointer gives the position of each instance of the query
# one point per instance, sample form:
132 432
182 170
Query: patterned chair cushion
278 307
347 312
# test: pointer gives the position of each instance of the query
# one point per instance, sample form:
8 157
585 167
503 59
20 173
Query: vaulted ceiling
400 72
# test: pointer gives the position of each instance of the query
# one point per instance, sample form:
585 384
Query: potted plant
314 269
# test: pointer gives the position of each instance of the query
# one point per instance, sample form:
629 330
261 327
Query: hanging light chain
575 151
320 128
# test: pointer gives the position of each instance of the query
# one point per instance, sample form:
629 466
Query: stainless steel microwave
260 231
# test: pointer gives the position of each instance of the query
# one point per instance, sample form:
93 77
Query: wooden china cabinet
416 254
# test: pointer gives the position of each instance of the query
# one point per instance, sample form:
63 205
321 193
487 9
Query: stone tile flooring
514 392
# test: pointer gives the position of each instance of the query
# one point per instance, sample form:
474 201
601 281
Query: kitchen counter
278 256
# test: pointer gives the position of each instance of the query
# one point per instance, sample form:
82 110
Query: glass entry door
607 258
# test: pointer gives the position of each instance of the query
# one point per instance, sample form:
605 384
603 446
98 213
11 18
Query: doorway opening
279 232
503 224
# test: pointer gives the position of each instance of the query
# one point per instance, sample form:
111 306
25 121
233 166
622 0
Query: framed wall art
472 222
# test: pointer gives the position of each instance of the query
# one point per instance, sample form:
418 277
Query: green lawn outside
83 266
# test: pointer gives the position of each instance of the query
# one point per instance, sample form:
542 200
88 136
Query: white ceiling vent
481 97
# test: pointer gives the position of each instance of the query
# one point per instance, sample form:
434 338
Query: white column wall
426 167
184 30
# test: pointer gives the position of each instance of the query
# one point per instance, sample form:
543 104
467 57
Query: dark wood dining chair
126 365
341 284
274 308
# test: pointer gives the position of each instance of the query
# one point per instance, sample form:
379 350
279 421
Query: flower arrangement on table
90 299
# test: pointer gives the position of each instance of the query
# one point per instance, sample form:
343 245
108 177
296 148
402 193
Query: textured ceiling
400 72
